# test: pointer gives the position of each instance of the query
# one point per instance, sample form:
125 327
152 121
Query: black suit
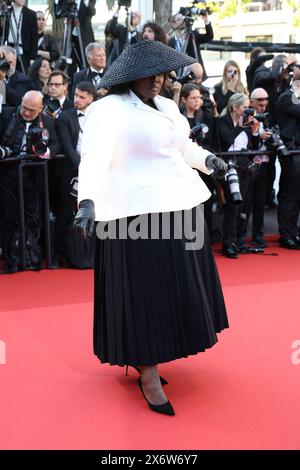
48 44
85 15
68 129
12 130
194 42
288 118
29 36
82 76
87 35
119 34
16 87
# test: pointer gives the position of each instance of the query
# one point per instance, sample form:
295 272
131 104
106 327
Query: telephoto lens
233 182
4 152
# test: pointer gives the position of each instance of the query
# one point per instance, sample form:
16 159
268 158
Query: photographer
189 42
172 87
16 83
56 101
258 57
122 35
24 32
288 118
202 126
256 194
237 130
47 47
275 80
78 14
15 131
230 84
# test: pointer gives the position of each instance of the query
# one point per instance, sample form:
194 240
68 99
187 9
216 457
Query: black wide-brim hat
144 59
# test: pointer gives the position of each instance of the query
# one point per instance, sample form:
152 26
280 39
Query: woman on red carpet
157 297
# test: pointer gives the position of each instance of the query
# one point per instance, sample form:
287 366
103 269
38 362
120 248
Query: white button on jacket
128 166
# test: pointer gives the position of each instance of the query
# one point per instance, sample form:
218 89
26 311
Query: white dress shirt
137 160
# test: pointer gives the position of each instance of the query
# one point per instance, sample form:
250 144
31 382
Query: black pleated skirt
155 300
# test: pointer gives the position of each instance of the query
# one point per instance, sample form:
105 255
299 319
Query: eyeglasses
261 99
56 85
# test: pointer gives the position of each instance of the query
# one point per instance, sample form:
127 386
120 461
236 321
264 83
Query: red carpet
242 394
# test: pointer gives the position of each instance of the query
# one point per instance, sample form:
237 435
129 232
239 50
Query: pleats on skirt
155 300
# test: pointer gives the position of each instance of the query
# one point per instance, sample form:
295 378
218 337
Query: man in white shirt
56 100
96 59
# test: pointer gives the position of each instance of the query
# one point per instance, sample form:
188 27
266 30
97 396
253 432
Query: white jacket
137 160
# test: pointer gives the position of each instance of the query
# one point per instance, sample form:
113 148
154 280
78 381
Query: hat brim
144 59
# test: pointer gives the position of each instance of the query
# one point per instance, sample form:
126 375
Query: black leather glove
216 164
84 221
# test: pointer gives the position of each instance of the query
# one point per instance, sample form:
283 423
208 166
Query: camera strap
11 131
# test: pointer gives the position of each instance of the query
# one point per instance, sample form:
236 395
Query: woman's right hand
84 221
231 85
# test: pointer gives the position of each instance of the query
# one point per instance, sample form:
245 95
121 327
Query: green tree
294 6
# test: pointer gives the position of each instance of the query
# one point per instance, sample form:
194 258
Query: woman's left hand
216 164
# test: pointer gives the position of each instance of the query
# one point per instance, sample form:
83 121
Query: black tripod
188 36
70 51
6 24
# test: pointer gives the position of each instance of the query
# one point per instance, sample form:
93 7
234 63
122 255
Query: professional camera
194 10
37 140
264 118
5 152
65 8
207 93
275 144
232 179
198 133
247 112
185 79
4 66
52 107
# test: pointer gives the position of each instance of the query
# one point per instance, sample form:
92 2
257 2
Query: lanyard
18 24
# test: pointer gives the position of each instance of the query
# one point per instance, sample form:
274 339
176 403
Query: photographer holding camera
202 126
24 132
16 83
237 130
288 118
256 194
123 35
21 32
187 39
230 84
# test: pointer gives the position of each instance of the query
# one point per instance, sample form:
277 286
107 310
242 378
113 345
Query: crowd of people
40 91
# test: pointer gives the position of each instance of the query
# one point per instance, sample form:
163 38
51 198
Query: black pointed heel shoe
165 408
162 380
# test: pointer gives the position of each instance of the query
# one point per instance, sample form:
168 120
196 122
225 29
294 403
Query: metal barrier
25 162
44 166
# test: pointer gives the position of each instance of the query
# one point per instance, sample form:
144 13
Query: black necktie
80 114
